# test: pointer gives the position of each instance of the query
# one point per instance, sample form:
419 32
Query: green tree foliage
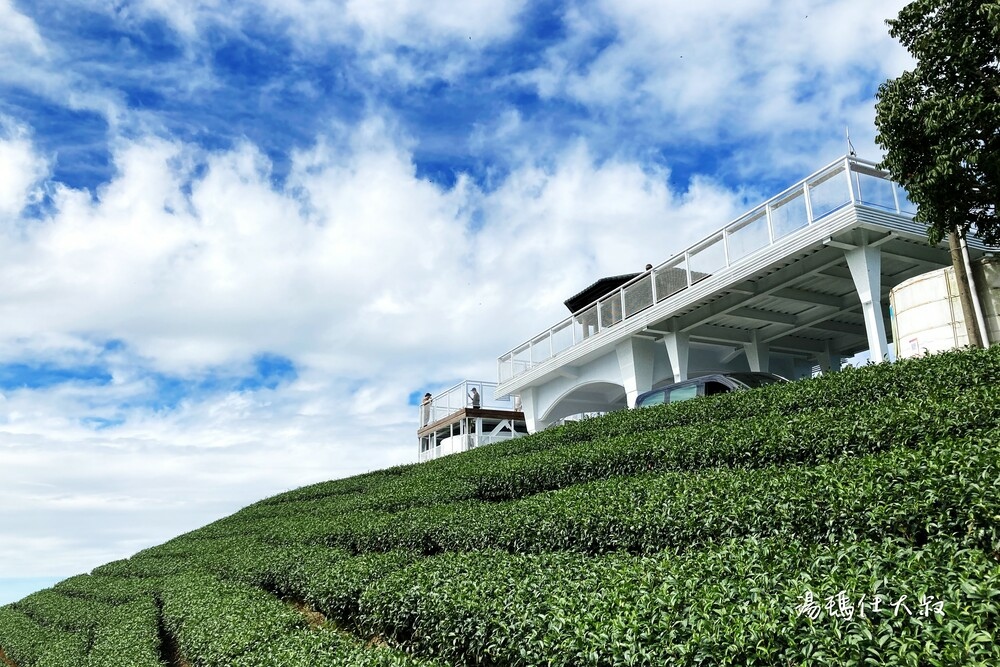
940 122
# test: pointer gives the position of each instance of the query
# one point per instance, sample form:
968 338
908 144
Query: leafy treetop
940 122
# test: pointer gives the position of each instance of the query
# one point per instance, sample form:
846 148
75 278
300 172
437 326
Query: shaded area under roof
595 291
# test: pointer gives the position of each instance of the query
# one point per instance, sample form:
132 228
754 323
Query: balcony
451 424
846 182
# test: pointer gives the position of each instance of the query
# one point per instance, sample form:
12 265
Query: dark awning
596 291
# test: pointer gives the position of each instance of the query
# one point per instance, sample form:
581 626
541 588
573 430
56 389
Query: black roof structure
594 292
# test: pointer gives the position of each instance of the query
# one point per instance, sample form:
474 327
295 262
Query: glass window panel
586 321
540 349
788 215
506 370
638 295
522 355
656 398
490 399
707 260
874 191
611 310
829 194
670 280
562 336
906 205
748 237
683 393
712 388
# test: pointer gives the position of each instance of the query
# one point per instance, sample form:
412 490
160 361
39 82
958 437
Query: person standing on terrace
425 409
474 397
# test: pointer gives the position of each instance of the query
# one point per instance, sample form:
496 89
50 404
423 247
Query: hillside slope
850 519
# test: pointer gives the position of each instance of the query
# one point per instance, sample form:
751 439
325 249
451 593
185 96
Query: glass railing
463 443
452 400
844 182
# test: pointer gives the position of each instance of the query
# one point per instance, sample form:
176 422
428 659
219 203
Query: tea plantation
850 519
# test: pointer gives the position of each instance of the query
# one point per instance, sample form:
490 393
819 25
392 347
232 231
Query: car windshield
754 379
655 398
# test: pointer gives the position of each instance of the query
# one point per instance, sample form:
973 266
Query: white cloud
402 41
763 70
33 63
374 282
355 254
373 26
411 21
18 32
21 169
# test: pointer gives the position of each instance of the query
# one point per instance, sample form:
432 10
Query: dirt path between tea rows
5 660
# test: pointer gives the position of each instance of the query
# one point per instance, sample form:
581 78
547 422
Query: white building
800 280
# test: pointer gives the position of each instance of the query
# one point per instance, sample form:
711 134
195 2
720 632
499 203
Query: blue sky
239 237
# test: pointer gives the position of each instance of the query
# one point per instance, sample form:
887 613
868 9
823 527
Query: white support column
866 270
635 361
529 404
829 362
678 348
758 353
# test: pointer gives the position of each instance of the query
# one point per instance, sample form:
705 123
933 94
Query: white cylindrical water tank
987 275
927 314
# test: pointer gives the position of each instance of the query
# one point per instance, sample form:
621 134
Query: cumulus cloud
551 229
372 281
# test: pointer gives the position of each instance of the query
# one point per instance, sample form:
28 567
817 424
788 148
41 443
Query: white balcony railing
847 181
463 443
450 401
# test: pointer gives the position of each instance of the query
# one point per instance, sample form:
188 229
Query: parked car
706 385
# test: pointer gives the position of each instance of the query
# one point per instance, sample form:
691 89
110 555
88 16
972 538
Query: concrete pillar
866 270
758 353
530 407
678 348
635 361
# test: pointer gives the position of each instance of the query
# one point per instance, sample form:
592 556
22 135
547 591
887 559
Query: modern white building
800 280
457 420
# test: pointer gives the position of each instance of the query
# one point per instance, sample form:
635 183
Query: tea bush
750 528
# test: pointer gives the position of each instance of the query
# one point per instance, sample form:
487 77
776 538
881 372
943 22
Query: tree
939 123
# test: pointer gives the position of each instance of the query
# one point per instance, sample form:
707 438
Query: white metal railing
463 443
452 400
844 182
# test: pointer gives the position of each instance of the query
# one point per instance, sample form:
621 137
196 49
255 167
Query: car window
754 379
683 393
656 398
713 387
